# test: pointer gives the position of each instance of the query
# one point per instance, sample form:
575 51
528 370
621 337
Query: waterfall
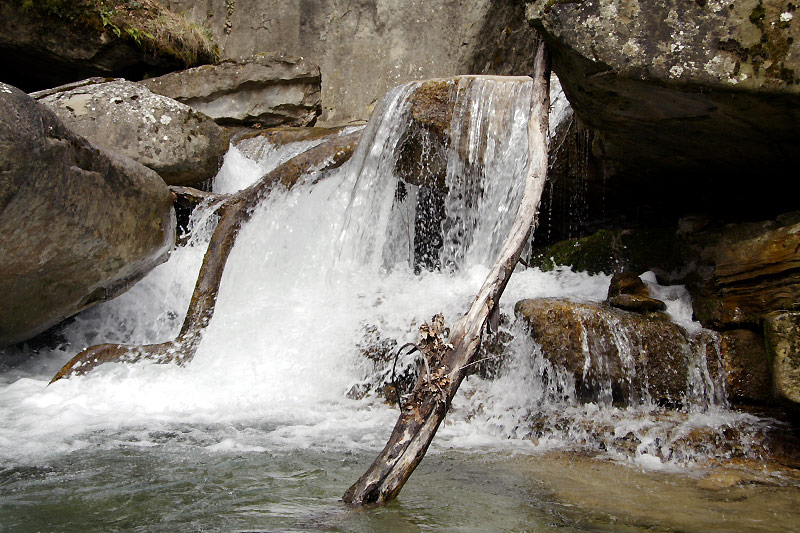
321 274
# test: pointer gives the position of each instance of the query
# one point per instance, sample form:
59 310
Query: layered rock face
694 97
182 145
268 90
79 223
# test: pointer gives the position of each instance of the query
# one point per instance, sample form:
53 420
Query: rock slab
79 223
270 90
181 144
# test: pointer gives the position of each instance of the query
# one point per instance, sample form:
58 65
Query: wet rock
49 43
621 356
628 291
748 375
637 304
80 224
182 145
270 90
782 331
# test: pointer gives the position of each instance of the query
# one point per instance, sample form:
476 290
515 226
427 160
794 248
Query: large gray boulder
182 145
267 89
79 224
685 96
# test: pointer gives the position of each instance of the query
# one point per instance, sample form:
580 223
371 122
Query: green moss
612 251
146 23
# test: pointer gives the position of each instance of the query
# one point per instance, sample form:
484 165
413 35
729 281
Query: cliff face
365 47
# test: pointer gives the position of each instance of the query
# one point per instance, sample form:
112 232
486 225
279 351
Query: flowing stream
280 411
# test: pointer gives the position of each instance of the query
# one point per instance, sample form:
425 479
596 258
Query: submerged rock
79 223
182 145
269 90
616 355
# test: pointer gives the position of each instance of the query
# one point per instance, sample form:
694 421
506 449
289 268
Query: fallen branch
233 212
421 415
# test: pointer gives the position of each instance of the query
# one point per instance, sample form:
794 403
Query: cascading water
315 271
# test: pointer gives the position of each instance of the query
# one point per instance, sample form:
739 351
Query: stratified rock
267 89
782 331
182 145
79 223
627 356
685 96
49 43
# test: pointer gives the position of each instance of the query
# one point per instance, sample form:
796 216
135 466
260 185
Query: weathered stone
182 145
79 223
269 90
49 43
747 366
365 48
782 331
689 94
613 352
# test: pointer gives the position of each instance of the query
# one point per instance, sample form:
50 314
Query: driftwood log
233 211
434 391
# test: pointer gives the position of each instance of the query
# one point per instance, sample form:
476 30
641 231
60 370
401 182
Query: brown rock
747 365
632 355
782 331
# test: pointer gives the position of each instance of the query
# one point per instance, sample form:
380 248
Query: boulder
782 331
626 357
79 223
63 41
269 90
182 145
684 96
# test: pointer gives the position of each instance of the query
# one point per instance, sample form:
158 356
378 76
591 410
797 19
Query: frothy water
313 270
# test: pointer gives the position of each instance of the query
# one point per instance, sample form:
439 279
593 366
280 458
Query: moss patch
146 23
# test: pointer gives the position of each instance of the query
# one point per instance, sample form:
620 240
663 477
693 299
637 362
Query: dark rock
746 365
611 353
683 96
267 89
782 332
44 44
182 145
627 283
79 224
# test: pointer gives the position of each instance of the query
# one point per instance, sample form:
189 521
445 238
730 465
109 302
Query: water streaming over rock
318 270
